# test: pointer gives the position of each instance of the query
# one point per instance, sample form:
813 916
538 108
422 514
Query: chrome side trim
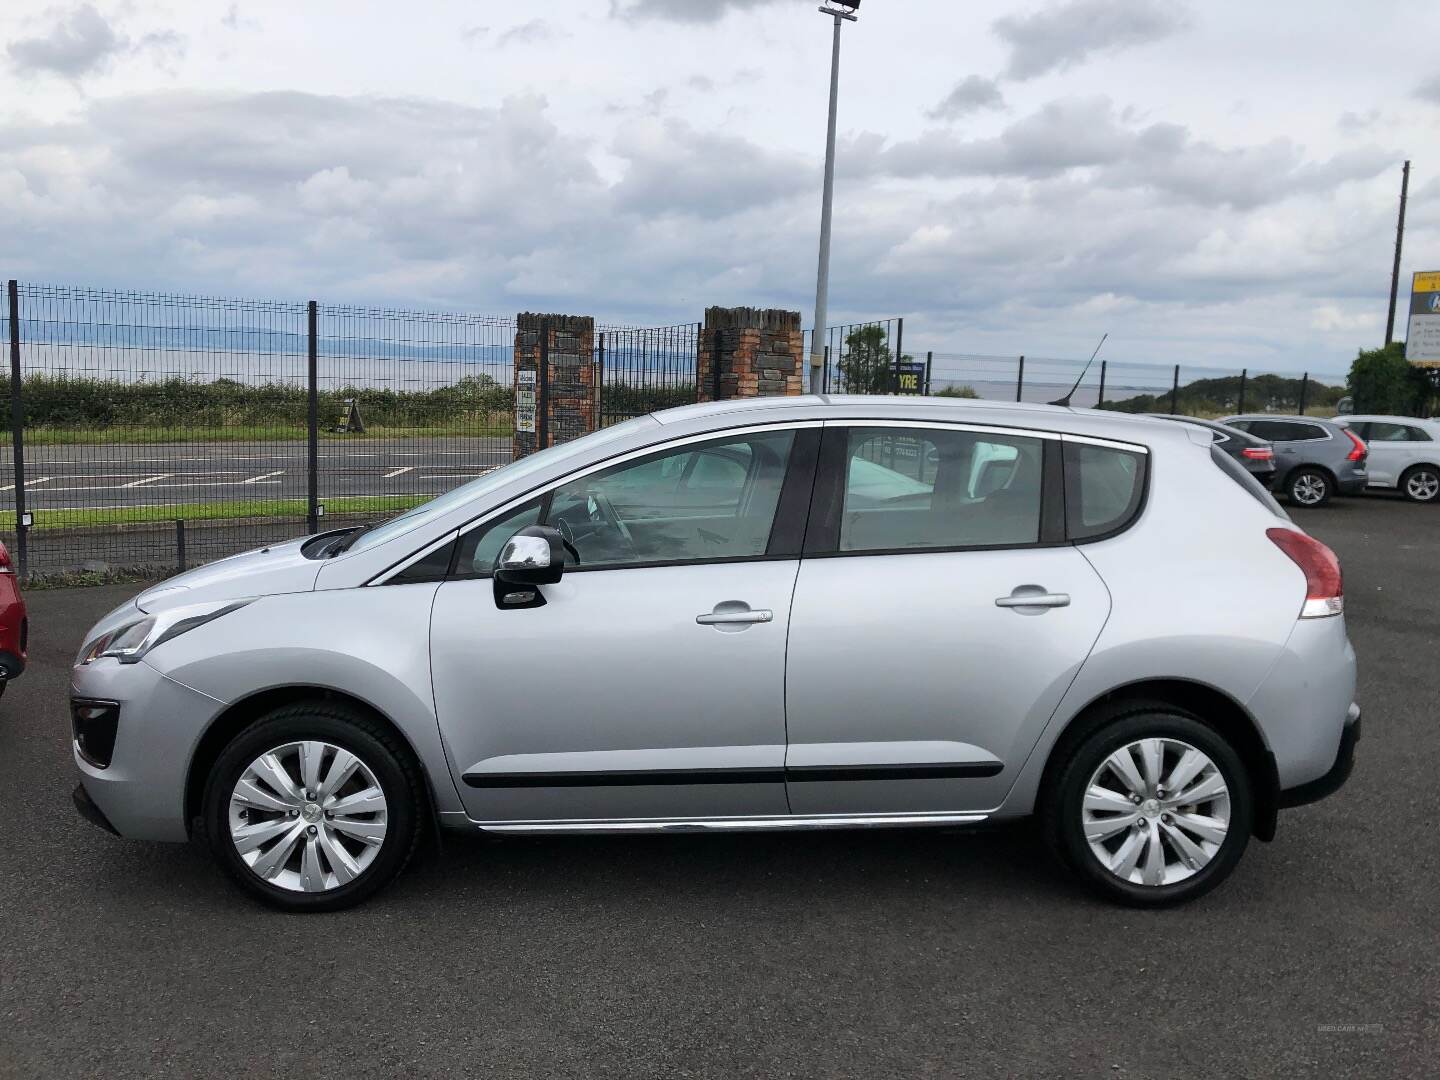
1113 444
1014 431
731 824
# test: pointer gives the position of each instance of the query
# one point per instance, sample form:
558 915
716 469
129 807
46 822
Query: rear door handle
1033 596
725 618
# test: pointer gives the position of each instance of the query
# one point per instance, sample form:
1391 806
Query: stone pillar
750 352
554 361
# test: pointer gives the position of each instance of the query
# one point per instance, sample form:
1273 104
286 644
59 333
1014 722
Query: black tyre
1309 487
316 807
1113 820
1421 484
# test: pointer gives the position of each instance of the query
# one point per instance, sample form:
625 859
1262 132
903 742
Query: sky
1210 183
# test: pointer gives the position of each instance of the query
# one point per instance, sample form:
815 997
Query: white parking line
397 472
147 480
28 483
262 476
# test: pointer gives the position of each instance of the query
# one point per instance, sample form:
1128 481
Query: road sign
525 400
350 420
1422 342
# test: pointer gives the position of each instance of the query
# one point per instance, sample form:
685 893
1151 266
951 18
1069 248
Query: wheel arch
245 711
1211 705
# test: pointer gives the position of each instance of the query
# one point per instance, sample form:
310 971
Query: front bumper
1333 780
86 808
139 790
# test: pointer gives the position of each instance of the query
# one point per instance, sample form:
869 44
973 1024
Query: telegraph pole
1399 239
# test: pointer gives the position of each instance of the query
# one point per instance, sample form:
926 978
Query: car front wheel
314 808
1153 808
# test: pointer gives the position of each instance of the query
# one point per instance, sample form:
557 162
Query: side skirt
734 824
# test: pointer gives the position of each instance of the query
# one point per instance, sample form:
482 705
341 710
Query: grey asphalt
857 955
123 474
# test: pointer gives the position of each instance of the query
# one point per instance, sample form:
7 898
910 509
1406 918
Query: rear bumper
1353 485
1334 780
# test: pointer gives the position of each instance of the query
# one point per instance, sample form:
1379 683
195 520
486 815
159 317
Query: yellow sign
1426 282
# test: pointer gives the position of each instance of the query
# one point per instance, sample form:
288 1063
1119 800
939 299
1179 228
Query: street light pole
822 274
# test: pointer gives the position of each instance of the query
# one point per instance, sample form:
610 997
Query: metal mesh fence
143 410
410 404
643 370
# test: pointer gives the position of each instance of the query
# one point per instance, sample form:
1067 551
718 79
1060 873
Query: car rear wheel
1151 809
1421 484
1308 487
314 808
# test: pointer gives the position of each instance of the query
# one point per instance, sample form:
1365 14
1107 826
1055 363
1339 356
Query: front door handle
735 613
1034 597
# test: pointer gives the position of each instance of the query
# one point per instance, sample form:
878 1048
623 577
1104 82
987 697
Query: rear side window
908 489
1104 489
1233 469
1285 430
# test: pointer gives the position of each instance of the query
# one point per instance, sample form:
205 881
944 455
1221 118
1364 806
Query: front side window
1104 487
714 500
917 488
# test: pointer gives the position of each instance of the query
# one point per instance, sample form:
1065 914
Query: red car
14 628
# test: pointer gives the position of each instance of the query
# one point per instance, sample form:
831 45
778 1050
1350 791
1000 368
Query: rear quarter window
1232 468
1104 489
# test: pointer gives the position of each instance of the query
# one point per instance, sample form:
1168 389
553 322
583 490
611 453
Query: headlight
128 643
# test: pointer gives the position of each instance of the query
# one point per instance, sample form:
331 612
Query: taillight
1359 450
5 565
1257 453
1324 592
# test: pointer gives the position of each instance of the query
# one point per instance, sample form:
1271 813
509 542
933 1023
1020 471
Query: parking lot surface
862 954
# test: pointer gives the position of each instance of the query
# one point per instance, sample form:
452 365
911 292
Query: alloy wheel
1156 811
307 816
1309 489
1423 485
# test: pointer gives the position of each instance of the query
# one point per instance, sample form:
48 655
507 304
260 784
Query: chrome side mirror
534 556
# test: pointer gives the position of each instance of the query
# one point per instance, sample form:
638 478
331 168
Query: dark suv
1315 459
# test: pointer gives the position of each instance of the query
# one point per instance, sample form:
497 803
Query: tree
867 366
1383 381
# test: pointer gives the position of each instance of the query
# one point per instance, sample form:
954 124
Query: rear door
918 676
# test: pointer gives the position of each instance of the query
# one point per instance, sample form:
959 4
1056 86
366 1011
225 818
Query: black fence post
1175 392
929 361
825 371
1020 380
17 432
899 355
599 381
1100 397
312 423
1240 400
1304 391
180 544
542 418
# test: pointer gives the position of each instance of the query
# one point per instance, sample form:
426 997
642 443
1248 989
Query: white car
1404 453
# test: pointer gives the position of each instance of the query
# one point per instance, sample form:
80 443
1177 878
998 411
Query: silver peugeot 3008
785 613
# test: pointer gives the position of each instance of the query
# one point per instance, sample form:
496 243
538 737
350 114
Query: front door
940 621
651 683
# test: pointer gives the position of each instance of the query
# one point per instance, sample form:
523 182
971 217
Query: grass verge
248 510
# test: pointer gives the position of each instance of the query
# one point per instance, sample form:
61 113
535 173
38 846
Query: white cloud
77 44
1062 35
971 94
691 11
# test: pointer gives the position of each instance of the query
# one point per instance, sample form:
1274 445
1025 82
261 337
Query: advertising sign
1422 342
525 401
910 379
